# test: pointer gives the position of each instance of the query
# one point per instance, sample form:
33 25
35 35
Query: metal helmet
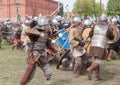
114 20
42 21
76 20
55 22
30 17
103 17
58 18
65 62
35 18
88 22
27 22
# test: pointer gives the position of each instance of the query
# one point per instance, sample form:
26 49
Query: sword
68 16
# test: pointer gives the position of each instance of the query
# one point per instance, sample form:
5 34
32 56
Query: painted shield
63 40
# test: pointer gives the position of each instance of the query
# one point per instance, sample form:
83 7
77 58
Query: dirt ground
12 67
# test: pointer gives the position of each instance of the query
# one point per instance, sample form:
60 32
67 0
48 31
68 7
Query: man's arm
51 46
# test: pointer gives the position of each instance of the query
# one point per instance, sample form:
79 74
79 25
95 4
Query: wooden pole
100 7
94 9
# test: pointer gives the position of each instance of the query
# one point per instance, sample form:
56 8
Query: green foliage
97 8
83 7
87 7
113 7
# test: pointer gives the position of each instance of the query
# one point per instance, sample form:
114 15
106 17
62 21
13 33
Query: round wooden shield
115 32
85 34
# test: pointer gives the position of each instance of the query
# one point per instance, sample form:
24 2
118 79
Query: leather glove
81 43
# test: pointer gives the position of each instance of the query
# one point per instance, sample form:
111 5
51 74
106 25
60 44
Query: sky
70 3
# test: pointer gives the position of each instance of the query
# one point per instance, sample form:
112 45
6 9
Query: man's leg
97 74
110 54
77 66
93 67
47 73
84 64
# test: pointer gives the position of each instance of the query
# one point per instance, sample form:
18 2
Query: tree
83 7
97 8
87 7
113 7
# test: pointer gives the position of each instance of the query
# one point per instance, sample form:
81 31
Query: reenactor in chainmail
40 47
6 30
99 34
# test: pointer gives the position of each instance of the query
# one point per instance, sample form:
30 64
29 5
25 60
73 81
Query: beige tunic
74 37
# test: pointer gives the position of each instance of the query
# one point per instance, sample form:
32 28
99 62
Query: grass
12 67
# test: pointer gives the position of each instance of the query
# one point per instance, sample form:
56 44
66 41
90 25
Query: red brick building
27 7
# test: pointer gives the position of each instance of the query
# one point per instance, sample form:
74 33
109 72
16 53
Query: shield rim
117 31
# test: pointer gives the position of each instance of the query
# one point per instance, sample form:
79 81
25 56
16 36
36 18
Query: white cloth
53 41
78 53
95 60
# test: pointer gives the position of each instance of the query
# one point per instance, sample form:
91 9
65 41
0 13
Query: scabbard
30 68
27 73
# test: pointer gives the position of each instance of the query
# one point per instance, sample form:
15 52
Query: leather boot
92 68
